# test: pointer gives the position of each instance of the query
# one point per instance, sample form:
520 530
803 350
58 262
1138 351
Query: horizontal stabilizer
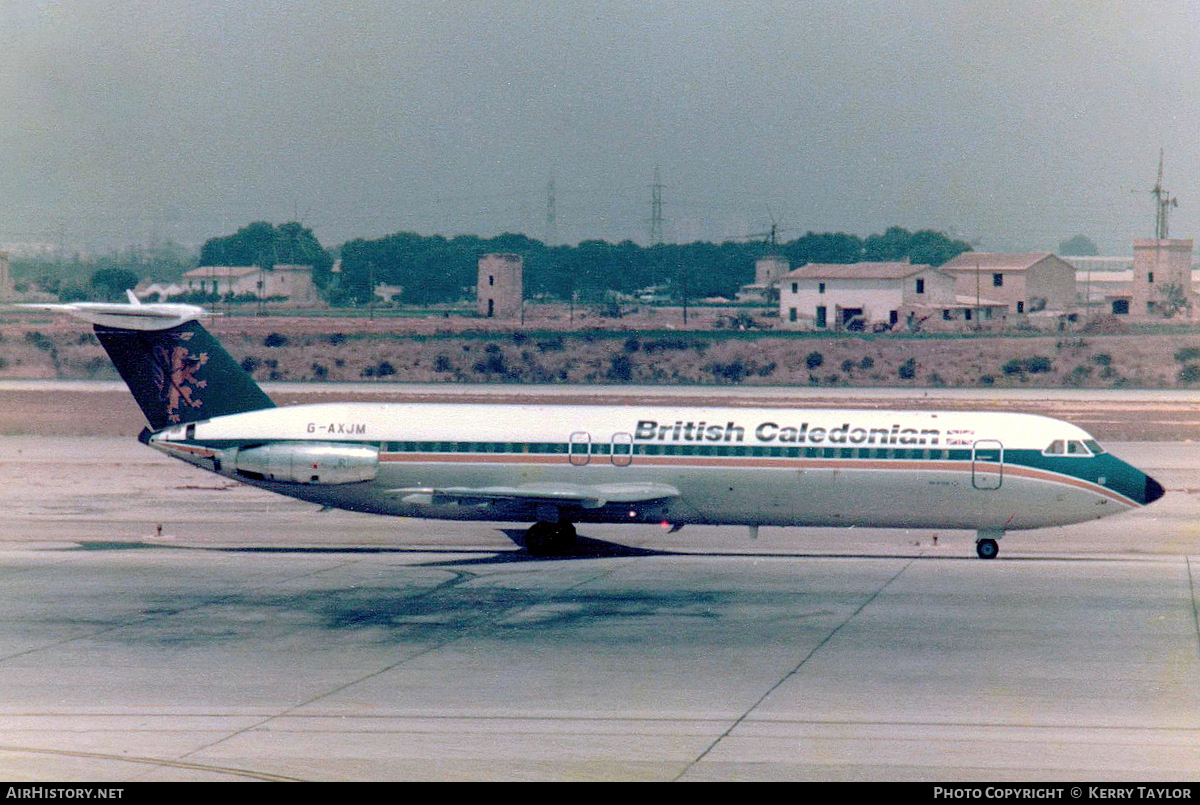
133 315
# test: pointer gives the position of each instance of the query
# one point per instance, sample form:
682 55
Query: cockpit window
1094 446
1071 447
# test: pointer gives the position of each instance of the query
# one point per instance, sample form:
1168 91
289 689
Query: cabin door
579 448
987 464
621 449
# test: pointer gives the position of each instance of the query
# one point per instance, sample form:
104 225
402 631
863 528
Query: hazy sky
1017 124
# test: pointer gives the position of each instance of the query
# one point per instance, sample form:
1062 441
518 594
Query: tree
891 246
928 247
828 247
252 245
111 283
265 245
1173 300
434 269
1078 246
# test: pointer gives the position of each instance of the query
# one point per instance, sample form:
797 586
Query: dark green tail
180 375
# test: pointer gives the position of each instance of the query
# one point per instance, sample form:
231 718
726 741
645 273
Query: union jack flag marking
960 437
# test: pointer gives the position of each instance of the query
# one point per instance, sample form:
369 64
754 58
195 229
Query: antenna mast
551 214
1163 202
656 211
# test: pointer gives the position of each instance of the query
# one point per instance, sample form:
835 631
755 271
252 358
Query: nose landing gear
986 545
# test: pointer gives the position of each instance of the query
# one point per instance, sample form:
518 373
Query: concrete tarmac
255 638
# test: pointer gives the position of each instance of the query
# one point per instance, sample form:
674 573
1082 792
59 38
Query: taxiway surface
254 638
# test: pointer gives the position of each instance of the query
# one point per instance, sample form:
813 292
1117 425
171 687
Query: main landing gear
986 545
550 539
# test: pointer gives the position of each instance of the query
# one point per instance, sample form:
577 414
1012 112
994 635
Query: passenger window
1056 448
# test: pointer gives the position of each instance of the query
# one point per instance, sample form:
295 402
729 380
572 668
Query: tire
550 539
987 548
539 539
564 537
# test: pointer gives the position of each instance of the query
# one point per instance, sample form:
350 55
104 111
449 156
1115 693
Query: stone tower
6 281
769 270
500 287
1162 278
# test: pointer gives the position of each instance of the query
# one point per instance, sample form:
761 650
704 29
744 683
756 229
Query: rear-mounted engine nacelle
306 462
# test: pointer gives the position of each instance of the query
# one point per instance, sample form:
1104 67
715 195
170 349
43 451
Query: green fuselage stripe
1102 469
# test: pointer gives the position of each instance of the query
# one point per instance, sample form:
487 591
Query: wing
573 495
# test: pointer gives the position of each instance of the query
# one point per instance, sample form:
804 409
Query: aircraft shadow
584 548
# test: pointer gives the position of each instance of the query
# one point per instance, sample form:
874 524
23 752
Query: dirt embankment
107 411
460 351
557 348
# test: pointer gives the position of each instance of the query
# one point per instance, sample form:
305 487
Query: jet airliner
559 465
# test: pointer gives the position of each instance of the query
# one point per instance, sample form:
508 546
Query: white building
1101 281
291 282
1038 282
856 296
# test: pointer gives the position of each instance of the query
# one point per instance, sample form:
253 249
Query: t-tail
178 372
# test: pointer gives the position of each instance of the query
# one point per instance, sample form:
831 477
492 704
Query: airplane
559 465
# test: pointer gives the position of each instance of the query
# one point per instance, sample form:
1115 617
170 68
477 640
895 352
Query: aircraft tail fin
178 372
181 374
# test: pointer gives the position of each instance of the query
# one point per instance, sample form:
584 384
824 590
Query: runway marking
457 577
152 761
1192 590
713 727
740 719
133 621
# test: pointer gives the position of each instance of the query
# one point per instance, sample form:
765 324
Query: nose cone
1154 490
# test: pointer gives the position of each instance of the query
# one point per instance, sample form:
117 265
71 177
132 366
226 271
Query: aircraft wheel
987 548
538 538
564 536
549 539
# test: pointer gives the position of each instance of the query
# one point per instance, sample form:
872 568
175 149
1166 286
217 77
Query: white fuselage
984 471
